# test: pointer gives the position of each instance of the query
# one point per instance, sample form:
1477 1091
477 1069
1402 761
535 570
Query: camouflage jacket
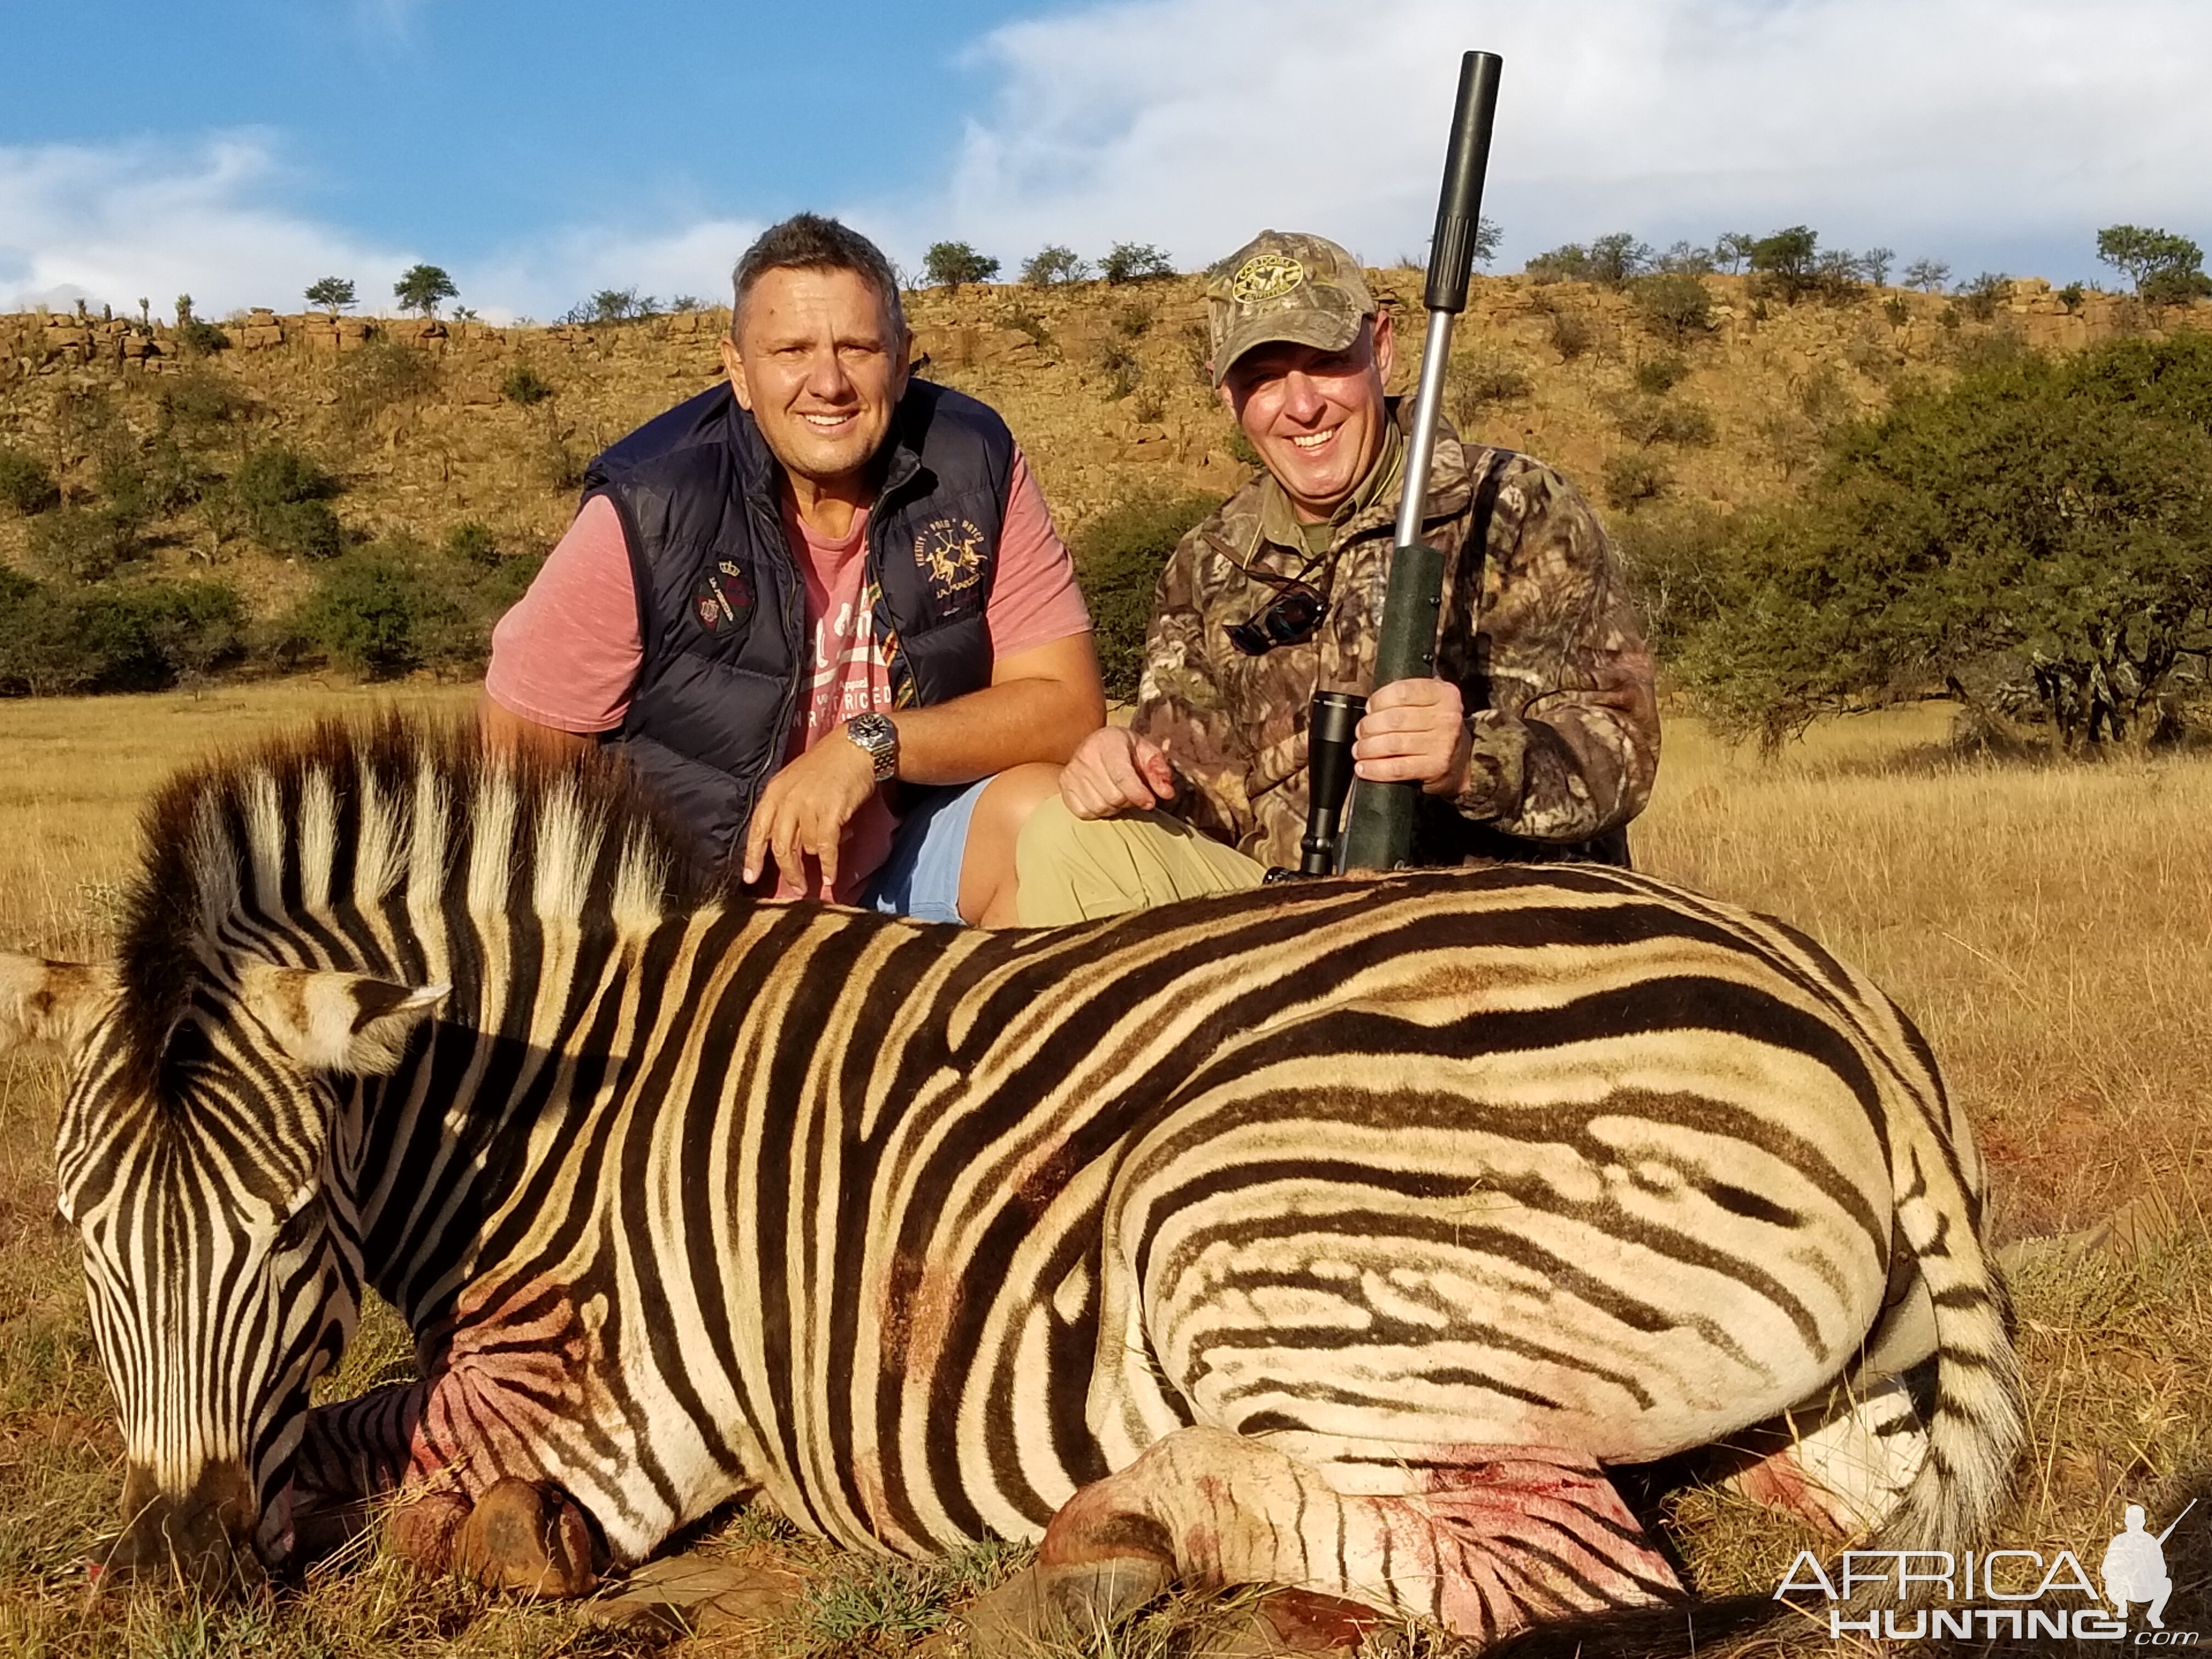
1536 631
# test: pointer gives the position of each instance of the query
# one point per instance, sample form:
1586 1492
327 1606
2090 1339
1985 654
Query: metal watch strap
877 738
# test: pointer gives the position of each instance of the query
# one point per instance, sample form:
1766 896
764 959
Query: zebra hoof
528 1539
1060 1605
420 1528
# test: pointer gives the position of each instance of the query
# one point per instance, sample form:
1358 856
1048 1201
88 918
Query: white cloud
1990 132
555 271
110 224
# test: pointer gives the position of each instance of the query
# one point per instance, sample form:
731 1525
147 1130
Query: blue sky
240 148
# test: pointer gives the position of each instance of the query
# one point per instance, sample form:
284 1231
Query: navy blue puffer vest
722 609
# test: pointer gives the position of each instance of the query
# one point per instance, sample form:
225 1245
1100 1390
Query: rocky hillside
425 426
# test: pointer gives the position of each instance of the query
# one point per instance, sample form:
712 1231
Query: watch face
879 737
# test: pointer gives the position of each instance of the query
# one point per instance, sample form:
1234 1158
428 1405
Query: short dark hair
809 241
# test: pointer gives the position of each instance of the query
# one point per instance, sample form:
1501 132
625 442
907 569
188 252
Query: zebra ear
331 1021
50 1005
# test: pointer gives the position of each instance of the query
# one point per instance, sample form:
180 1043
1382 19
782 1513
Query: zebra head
222 1259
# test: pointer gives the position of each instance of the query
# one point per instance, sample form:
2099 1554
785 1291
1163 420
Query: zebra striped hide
1435 1193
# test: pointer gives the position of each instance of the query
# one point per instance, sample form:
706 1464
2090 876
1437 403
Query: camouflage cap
1284 286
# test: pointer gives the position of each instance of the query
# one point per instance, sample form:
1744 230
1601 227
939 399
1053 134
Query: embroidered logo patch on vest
951 553
1265 277
722 601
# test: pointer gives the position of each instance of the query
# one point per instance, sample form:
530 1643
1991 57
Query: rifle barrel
1379 829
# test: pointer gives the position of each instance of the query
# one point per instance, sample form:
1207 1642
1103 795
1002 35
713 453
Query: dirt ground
2049 926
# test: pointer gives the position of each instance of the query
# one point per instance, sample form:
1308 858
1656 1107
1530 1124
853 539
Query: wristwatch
878 738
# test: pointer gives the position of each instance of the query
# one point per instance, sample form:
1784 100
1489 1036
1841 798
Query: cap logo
1265 277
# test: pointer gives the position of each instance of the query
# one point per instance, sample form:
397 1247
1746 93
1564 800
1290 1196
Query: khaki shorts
1074 869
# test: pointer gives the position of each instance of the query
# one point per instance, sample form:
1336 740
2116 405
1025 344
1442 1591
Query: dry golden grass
2050 928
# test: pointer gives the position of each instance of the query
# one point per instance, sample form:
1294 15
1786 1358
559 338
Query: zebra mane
296 833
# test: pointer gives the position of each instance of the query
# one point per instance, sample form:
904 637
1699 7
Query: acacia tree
2166 268
422 287
2041 528
1790 259
948 264
1053 263
334 294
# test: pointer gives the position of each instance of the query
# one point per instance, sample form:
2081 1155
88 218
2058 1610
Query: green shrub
1935 545
112 637
612 305
561 463
1897 311
525 386
1483 381
1028 322
1633 477
1788 261
196 338
1132 319
1570 264
1573 335
1054 263
949 264
1671 558
151 637
84 544
1674 306
371 613
197 405
1657 421
1134 262
1660 375
25 482
1118 558
1493 378
469 543
1122 371
1612 261
381 374
1979 298
282 500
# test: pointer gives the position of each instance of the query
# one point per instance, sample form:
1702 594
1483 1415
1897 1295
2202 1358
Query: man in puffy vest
821 608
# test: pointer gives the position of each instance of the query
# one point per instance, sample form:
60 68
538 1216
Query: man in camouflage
1537 739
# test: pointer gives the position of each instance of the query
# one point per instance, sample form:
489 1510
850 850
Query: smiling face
820 365
1315 417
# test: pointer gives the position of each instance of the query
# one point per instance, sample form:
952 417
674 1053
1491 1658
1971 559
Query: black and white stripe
917 1229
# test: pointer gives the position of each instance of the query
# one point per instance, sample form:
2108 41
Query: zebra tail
1976 1425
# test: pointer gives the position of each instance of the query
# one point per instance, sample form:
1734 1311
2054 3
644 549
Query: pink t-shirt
567 655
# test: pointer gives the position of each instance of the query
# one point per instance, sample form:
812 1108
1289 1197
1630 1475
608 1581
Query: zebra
1338 1238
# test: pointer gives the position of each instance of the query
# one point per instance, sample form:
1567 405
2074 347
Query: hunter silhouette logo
951 551
1265 277
1921 1595
2134 1567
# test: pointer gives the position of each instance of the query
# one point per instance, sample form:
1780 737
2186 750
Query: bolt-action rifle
1378 833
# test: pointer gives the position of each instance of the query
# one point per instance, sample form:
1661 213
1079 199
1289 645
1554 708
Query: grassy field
2051 927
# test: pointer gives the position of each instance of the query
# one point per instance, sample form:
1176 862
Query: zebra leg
1844 1466
1489 1541
516 1533
352 1452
